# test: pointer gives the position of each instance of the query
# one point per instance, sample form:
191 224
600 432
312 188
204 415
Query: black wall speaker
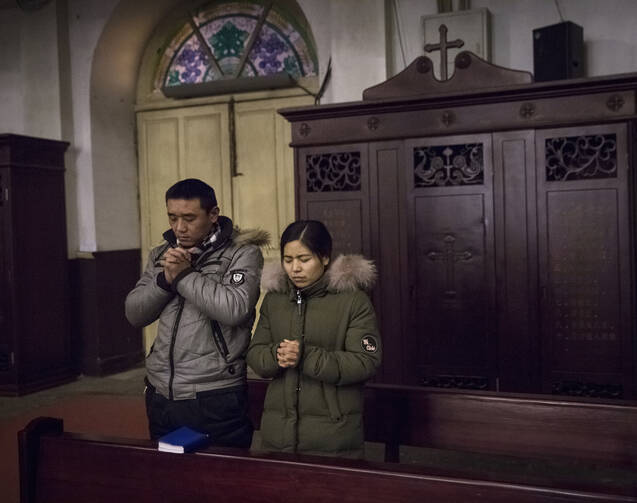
558 52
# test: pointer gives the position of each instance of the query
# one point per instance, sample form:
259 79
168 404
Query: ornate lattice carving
581 157
454 381
335 172
449 165
594 390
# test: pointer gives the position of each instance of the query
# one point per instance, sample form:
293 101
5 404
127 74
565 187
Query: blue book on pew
182 440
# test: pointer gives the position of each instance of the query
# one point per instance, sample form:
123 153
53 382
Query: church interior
480 152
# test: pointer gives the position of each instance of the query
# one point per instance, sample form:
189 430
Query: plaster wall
29 71
116 63
11 106
40 73
353 35
610 40
86 22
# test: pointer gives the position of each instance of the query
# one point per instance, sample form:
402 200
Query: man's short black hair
193 188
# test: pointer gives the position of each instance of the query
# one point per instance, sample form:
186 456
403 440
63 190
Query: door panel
263 190
333 187
585 262
451 256
176 144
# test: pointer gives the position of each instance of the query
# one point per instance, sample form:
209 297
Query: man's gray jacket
206 316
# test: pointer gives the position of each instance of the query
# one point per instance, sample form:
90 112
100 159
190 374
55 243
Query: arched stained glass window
233 39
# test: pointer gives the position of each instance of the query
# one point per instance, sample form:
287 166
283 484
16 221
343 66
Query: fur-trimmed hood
258 237
240 237
345 274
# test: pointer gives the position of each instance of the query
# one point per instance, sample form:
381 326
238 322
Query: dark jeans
221 413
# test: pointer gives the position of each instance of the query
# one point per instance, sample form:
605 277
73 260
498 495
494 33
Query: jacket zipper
171 354
182 300
219 340
299 304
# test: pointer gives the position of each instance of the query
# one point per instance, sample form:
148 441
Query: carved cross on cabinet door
442 46
449 257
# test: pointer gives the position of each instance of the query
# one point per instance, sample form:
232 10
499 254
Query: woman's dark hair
312 233
193 188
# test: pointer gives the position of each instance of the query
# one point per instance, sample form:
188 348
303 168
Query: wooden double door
504 259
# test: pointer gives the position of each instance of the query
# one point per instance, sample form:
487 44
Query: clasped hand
174 261
287 354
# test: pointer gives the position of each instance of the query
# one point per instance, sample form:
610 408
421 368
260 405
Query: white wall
29 72
353 34
11 106
609 36
86 22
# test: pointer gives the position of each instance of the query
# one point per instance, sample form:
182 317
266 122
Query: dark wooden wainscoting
103 340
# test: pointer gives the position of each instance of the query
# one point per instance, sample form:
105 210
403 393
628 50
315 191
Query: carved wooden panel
333 172
448 165
512 267
333 187
584 261
451 244
581 157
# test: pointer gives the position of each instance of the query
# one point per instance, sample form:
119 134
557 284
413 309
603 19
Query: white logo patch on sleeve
237 278
369 344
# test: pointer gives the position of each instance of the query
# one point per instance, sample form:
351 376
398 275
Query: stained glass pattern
227 29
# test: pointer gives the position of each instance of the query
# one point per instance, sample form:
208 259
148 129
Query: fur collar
239 236
345 274
256 237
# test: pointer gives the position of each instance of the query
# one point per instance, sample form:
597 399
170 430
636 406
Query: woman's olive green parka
317 406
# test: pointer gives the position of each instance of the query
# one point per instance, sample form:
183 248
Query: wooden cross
449 257
442 46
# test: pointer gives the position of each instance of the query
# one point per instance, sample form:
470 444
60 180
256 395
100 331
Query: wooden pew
536 426
58 467
524 425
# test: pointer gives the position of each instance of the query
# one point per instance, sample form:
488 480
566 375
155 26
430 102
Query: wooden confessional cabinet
500 214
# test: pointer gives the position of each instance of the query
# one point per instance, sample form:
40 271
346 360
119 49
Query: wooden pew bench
538 426
60 467
584 444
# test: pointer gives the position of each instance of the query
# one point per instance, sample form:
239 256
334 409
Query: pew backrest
541 426
58 467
